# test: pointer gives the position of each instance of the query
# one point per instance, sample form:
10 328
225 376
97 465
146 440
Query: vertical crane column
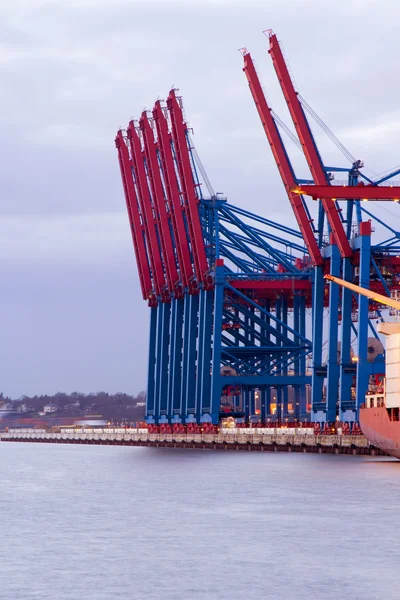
191 359
284 369
150 395
246 391
216 383
303 364
279 397
318 372
297 364
365 266
175 366
162 360
203 383
266 392
332 363
346 366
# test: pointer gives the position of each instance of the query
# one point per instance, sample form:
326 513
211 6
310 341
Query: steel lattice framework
229 291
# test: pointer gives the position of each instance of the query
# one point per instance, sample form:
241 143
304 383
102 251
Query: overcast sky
73 72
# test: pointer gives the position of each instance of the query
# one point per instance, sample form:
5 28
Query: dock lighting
396 199
365 199
354 359
333 199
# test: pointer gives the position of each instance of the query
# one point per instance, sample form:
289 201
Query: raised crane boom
156 187
146 209
132 205
281 159
310 149
172 190
364 292
190 201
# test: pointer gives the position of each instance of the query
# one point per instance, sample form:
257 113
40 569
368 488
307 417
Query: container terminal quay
262 336
287 439
252 319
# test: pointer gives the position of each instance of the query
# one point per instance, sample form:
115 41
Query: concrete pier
319 444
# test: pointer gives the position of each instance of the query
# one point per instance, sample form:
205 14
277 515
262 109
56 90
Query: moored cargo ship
379 416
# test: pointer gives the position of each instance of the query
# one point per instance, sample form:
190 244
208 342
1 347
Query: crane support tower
244 317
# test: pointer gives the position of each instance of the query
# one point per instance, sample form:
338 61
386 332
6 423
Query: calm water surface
94 523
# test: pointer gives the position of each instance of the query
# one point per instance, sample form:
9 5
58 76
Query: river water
110 523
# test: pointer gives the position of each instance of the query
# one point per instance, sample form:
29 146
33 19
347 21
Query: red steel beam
134 220
157 191
147 213
345 192
271 284
308 144
281 159
173 197
179 129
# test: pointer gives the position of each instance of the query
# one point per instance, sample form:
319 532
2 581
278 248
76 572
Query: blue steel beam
332 362
175 367
346 365
362 350
150 395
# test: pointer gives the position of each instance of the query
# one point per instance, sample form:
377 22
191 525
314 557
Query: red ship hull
380 430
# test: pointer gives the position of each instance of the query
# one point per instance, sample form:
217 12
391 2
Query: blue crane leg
246 401
297 364
332 362
157 387
185 357
362 364
150 396
303 361
347 368
284 370
216 383
263 408
203 384
162 372
191 363
318 372
174 383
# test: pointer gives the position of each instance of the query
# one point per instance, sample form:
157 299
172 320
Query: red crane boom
157 191
308 144
179 129
281 159
147 213
134 220
172 190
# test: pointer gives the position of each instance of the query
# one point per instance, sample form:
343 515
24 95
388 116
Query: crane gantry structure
229 290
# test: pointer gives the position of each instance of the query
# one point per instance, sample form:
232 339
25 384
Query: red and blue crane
229 290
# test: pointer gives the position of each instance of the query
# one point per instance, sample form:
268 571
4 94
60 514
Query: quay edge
317 444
